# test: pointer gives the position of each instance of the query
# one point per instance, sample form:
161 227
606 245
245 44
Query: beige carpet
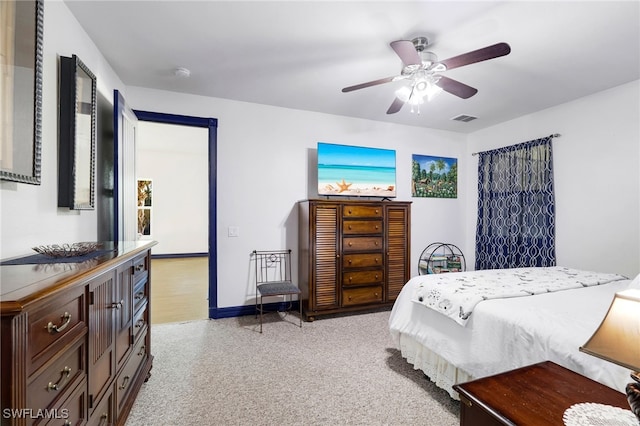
342 370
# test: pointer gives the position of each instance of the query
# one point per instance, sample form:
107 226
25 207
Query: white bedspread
456 294
504 334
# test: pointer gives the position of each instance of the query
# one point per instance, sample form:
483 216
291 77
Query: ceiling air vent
464 118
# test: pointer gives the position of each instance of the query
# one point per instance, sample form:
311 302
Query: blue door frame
212 125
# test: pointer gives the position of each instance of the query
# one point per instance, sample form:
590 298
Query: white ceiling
300 54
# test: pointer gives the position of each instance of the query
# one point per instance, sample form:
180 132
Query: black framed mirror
21 47
77 135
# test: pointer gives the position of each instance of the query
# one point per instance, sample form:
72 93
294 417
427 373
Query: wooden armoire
353 255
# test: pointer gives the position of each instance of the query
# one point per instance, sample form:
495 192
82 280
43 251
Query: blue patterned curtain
516 209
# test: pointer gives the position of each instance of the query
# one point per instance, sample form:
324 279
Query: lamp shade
618 338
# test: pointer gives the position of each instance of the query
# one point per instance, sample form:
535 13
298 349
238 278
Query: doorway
208 251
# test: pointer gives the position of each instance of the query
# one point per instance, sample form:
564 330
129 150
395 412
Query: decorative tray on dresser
75 336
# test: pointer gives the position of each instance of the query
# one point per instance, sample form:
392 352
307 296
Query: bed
454 341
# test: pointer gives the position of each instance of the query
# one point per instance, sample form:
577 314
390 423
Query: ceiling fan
423 71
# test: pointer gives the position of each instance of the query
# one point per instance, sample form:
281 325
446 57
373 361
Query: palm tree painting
434 177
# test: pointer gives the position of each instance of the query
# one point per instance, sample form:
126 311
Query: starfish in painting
343 186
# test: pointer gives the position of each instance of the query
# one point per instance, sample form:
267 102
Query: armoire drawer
56 379
351 210
361 295
55 325
355 227
375 276
362 260
361 243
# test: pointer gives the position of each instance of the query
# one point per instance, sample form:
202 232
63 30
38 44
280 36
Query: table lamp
617 340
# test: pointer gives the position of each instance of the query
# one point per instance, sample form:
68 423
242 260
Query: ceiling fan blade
368 84
395 106
454 87
407 52
489 52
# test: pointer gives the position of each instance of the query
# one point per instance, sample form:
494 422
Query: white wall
266 164
29 215
175 159
596 175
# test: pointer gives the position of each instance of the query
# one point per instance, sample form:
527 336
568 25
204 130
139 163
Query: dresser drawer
361 243
351 210
140 323
73 410
54 325
127 377
57 378
140 267
354 227
140 294
362 260
363 277
102 415
362 295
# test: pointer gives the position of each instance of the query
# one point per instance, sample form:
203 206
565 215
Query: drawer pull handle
376 243
350 243
139 296
117 305
349 227
139 267
143 350
349 261
139 323
66 320
375 294
64 375
67 423
104 419
124 383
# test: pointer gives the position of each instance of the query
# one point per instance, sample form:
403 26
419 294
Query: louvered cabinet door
324 284
102 363
397 233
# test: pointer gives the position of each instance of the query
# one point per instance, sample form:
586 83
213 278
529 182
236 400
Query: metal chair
273 278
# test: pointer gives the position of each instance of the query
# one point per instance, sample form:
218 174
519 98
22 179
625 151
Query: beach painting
434 177
347 170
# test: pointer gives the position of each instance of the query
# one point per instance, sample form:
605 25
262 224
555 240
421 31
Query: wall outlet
233 231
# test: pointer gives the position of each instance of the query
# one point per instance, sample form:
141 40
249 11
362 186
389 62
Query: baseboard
178 255
238 311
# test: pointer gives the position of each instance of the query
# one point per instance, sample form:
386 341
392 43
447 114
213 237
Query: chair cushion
278 287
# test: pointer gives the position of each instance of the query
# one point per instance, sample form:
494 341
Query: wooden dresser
75 338
353 255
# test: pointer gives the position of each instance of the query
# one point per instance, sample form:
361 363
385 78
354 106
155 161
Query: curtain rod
555 135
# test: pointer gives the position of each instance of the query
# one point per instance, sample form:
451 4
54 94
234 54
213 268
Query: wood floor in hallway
179 289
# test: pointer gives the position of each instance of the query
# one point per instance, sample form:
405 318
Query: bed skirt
437 369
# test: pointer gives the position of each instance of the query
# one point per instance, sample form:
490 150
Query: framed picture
145 204
21 50
434 177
